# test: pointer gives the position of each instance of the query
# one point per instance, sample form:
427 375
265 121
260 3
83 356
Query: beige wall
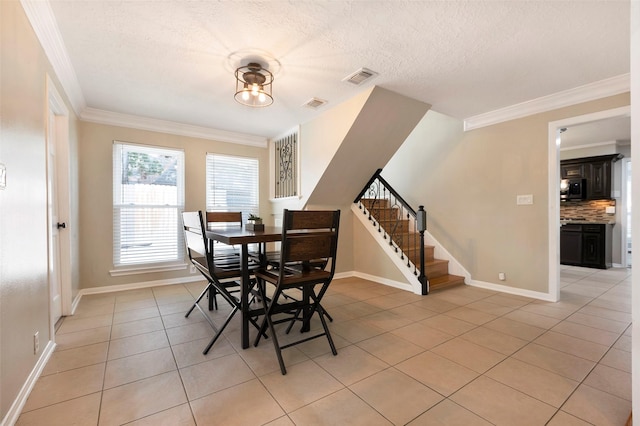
96 194
468 183
323 136
369 257
24 292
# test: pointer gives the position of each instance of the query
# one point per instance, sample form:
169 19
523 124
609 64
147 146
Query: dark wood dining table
244 237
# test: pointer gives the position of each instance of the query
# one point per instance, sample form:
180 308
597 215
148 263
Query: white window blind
232 184
148 198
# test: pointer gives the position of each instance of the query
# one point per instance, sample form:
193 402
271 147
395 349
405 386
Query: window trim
149 267
257 182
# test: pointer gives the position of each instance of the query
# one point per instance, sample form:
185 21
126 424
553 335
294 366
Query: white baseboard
139 285
18 404
132 286
512 290
339 275
385 281
439 252
475 283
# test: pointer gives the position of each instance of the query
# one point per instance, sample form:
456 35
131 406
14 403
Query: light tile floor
464 356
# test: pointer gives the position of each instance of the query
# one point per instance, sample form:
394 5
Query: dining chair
223 273
307 265
224 256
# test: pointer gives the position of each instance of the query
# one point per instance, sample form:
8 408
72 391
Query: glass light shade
253 85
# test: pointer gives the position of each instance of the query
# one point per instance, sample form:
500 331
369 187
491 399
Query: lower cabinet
596 247
571 245
585 245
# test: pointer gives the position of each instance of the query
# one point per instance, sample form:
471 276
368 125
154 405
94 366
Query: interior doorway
554 143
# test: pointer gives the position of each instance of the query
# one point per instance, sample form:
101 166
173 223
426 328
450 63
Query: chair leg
213 300
219 332
276 345
293 320
267 319
328 316
205 291
262 328
320 310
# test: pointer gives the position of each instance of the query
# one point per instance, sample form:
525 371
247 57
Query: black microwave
573 189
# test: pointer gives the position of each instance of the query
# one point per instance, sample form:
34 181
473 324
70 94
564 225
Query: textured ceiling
174 60
612 129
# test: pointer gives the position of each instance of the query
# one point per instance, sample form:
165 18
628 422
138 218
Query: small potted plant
254 223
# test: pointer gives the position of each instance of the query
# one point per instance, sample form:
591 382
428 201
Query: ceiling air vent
314 103
360 76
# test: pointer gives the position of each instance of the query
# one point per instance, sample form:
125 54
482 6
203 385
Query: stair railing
397 221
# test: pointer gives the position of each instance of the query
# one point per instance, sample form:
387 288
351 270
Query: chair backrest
194 234
311 219
224 218
310 237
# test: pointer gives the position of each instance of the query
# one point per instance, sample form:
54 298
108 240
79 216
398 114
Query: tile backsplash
590 210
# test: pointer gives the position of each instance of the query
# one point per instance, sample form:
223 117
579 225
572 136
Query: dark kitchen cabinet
596 170
572 171
571 245
599 180
596 246
586 245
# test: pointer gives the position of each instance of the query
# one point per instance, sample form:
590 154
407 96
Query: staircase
399 231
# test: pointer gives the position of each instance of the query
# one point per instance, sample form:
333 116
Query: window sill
292 198
146 269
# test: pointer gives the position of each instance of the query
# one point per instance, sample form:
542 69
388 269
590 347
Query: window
286 166
148 198
232 184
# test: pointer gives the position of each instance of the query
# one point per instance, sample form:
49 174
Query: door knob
62 225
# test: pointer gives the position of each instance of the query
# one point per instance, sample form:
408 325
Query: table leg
245 288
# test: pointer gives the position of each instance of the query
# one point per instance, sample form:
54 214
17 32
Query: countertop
587 222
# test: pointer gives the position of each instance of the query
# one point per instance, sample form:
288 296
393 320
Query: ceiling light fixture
254 85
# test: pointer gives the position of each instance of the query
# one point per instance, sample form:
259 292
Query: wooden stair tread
445 281
381 213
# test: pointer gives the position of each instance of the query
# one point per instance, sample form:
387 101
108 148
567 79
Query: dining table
244 238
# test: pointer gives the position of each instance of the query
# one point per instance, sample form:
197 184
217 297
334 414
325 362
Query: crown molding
143 123
588 92
42 19
44 24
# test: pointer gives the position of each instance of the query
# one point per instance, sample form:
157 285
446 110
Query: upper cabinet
571 170
596 170
599 179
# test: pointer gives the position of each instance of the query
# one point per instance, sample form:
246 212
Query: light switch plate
611 209
522 200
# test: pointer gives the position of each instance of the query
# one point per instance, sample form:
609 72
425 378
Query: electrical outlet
192 269
36 343
502 276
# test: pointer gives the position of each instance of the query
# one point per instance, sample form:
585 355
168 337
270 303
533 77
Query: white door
54 230
59 206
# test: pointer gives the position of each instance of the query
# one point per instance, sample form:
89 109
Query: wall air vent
360 76
314 103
